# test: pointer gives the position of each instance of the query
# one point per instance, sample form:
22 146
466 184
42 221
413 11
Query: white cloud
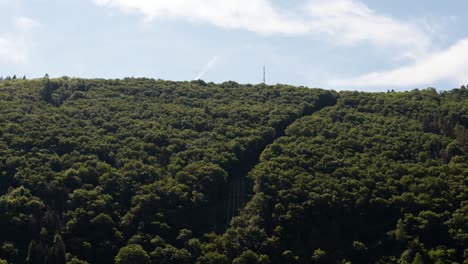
254 15
206 68
349 22
346 22
15 46
24 24
448 65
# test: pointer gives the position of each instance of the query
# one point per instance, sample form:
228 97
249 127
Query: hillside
151 171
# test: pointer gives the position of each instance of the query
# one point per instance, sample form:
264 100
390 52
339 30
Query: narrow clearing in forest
240 186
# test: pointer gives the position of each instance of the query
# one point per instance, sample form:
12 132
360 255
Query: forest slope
89 166
377 178
136 171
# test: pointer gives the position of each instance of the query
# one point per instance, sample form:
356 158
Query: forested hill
143 171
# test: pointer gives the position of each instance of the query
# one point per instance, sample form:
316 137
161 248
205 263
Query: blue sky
369 45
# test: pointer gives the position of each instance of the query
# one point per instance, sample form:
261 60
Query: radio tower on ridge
263 74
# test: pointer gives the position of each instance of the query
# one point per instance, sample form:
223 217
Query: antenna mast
263 74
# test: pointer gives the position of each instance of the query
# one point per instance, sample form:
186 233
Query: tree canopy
151 171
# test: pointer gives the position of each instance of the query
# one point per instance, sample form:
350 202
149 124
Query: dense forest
150 171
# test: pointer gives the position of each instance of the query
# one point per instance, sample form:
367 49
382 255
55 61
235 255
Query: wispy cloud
349 22
448 65
344 22
206 68
15 46
254 15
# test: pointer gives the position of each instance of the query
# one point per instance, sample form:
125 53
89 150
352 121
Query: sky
365 45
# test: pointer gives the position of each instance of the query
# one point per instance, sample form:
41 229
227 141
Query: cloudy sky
370 45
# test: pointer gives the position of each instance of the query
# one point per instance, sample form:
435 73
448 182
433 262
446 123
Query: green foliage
140 170
75 260
133 254
8 251
319 256
170 254
249 257
418 259
372 179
